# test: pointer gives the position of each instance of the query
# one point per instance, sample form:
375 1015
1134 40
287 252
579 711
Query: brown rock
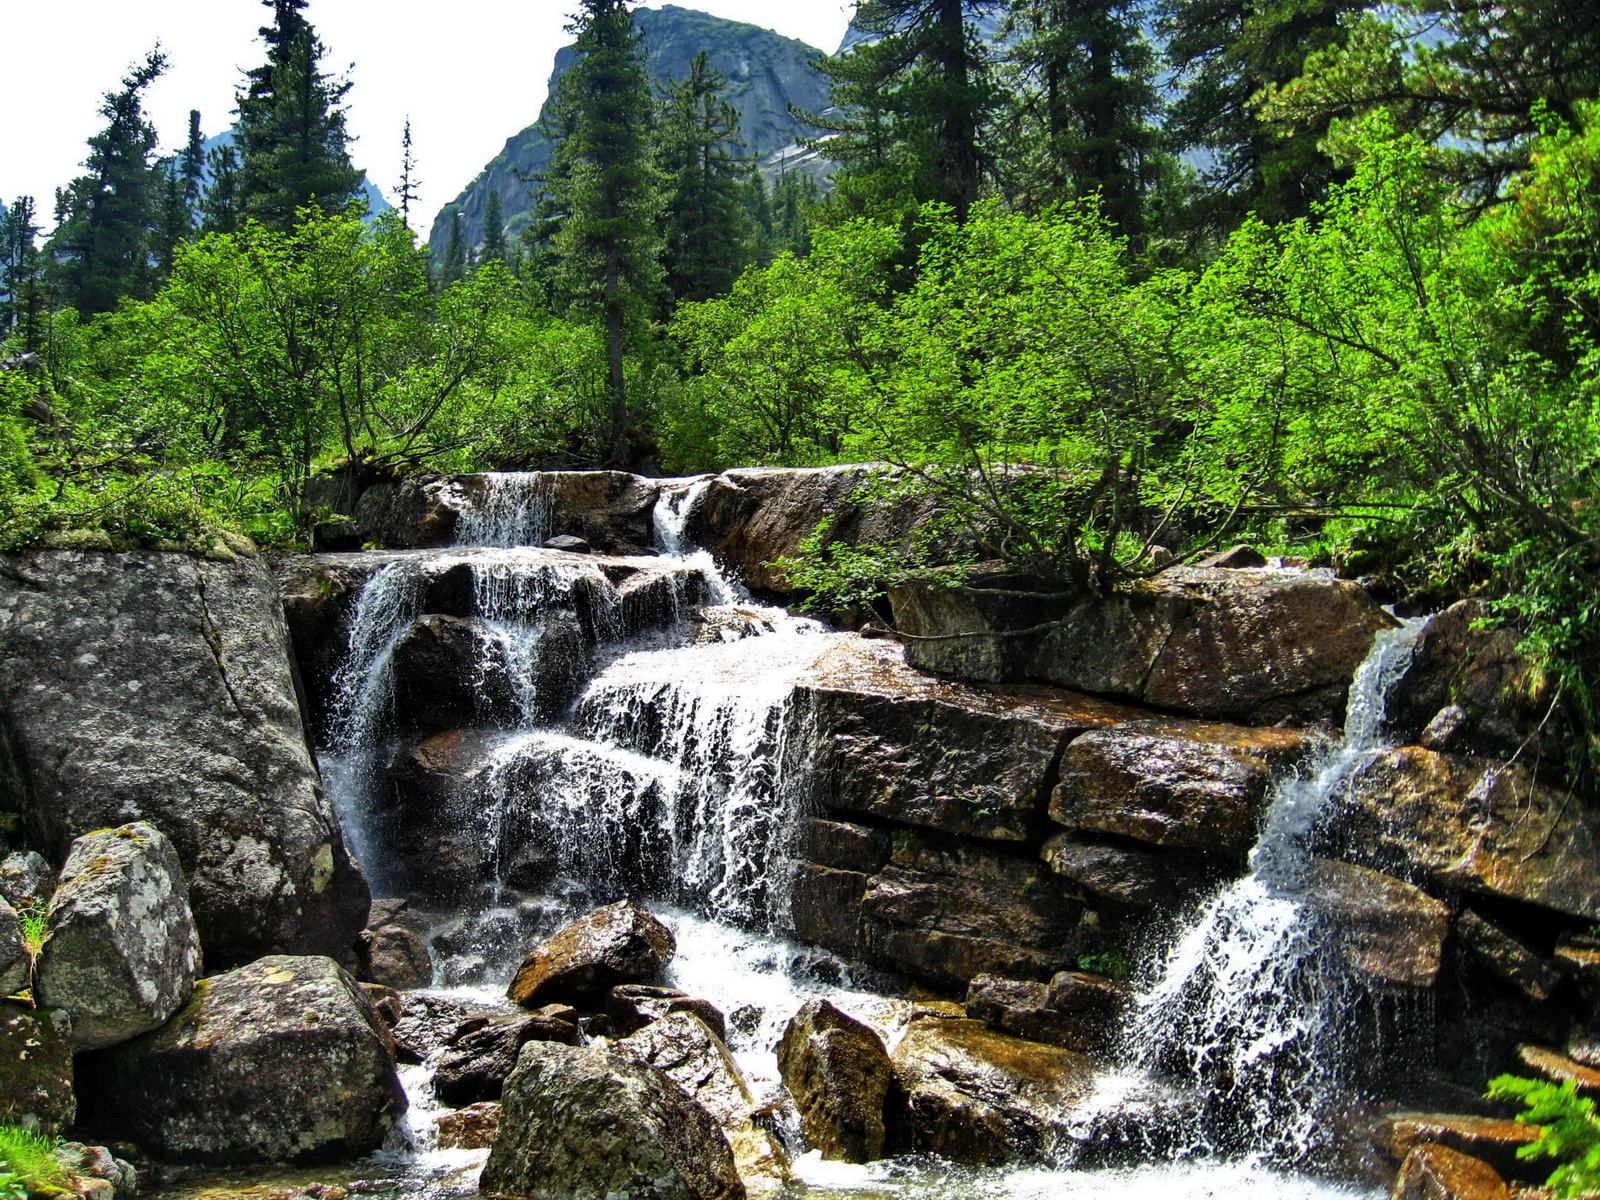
838 1072
826 908
620 943
1491 1139
1439 1173
1558 1068
1067 1012
1389 932
843 846
480 1057
1239 558
386 1002
632 1006
394 957
1184 784
470 1128
1127 874
1489 829
1506 957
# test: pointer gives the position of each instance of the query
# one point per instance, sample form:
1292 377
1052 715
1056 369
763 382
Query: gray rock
1132 875
26 879
632 1006
155 686
15 962
36 1079
565 541
122 952
478 1059
595 1123
98 1163
281 1061
838 1072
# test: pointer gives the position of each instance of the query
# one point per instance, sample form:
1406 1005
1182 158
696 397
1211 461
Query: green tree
22 315
606 192
408 175
494 231
291 129
192 164
101 249
706 234
453 267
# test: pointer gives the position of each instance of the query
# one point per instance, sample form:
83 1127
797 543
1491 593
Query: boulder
611 510
26 880
98 1172
1258 646
36 1077
684 1049
1388 932
632 1006
893 743
1494 1140
386 1001
825 908
450 671
838 1073
160 687
971 1095
659 599
415 513
1183 784
1466 825
1075 1011
1432 1172
470 1128
395 957
16 964
1506 956
565 541
281 1061
620 943
429 1023
595 1123
121 953
478 1059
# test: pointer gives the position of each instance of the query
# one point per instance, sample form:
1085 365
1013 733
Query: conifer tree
292 139
453 269
173 222
22 314
706 234
408 175
219 207
100 251
192 163
494 231
605 191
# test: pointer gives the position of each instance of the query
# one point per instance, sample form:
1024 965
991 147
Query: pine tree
22 314
914 107
705 232
494 231
292 139
605 190
453 268
192 163
173 222
100 251
219 207
408 176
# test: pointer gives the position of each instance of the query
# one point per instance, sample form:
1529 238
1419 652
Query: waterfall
516 509
1245 1005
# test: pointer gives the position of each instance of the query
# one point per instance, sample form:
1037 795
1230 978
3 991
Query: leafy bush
1569 1131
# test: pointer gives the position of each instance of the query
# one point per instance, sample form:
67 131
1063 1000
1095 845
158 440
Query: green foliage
28 1164
35 920
1108 963
1569 1130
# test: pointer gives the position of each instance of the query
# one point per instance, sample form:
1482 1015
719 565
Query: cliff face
766 73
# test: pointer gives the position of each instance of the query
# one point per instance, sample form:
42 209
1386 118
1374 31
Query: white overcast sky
469 73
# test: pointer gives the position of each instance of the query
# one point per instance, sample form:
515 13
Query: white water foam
516 509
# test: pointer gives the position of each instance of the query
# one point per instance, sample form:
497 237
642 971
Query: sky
469 74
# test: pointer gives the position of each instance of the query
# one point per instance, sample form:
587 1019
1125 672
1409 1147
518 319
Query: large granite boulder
838 1072
1466 825
15 961
414 513
686 1050
1257 646
891 742
595 1123
121 953
36 1077
285 1060
620 943
1182 784
631 1006
611 510
1388 932
156 686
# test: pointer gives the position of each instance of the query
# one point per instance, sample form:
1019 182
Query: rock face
620 943
281 1061
121 953
1506 956
1482 828
1075 1011
1390 933
35 1069
595 1123
1245 645
471 1128
26 879
838 1072
14 960
157 687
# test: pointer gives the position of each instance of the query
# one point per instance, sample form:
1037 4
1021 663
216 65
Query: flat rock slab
1506 956
1492 1139
121 953
285 1060
1558 1068
620 943
1389 933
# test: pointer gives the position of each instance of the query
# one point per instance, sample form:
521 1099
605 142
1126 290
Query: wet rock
565 541
595 1123
15 962
36 1078
838 1072
620 943
471 1128
96 1164
1506 956
121 953
1433 1172
659 599
1239 558
975 1096
386 1002
26 880
611 510
826 908
1579 957
843 846
1124 873
1075 1011
159 687
632 1006
414 513
428 1023
478 1059
449 671
1258 646
395 957
1491 1139
281 1061
684 1049
1389 933
892 743
1558 1068
1483 828
1184 784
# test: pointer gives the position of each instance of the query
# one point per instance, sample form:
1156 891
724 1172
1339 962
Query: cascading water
515 510
1246 1004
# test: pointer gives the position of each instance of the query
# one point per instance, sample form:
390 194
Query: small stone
1432 1172
395 957
632 1006
1239 558
1494 1140
567 542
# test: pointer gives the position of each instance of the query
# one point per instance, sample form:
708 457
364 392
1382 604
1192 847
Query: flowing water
663 766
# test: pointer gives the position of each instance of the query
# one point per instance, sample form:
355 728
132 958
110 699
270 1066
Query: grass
35 920
28 1165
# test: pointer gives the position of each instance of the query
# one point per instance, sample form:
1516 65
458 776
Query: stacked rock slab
159 687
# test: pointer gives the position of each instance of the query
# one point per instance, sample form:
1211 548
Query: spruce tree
291 130
453 269
22 315
192 163
706 234
173 222
494 231
605 191
408 176
100 251
219 207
